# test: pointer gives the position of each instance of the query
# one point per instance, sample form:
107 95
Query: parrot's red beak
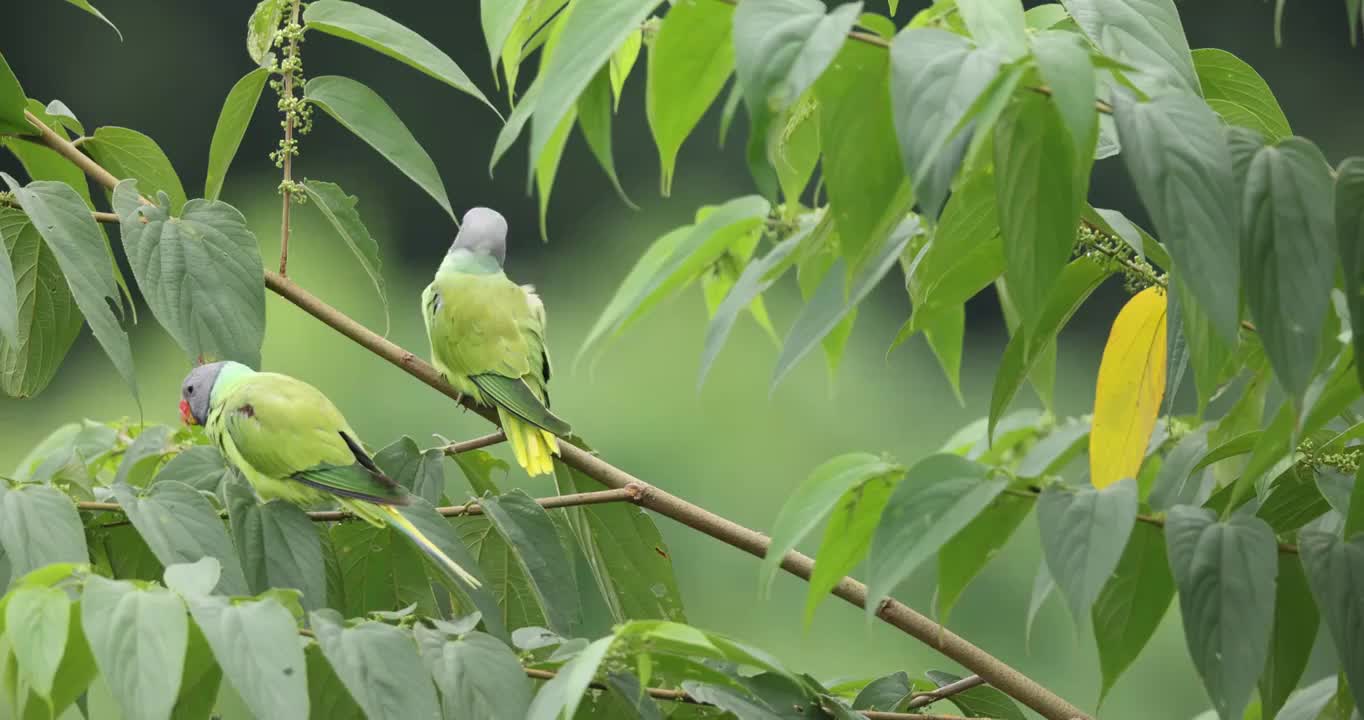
186 416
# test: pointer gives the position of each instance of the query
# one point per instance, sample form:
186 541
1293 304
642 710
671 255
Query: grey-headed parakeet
488 338
292 444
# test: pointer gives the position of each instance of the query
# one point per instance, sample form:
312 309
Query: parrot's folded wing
516 397
353 481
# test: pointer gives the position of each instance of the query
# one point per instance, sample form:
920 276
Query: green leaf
967 553
232 121
200 681
1349 219
1025 348
73 236
1064 62
980 701
13 102
258 647
530 533
1040 198
479 677
439 530
1084 532
278 545
674 260
885 693
1229 79
548 166
339 209
261 29
594 119
868 192
1224 571
1288 263
690 59
366 115
1177 483
421 472
559 698
811 501
377 664
37 620
938 497
143 455
41 316
377 32
622 62
830 304
86 6
77 668
181 526
39 526
587 37
628 557
201 467
517 605
499 18
139 640
780 49
1335 572
1290 645
200 272
1144 34
380 570
1133 600
42 162
965 253
996 24
848 536
130 154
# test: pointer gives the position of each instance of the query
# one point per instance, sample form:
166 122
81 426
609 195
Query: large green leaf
261 29
559 698
37 620
812 500
380 570
278 544
587 37
1065 64
86 6
1349 218
996 24
139 638
628 557
479 677
1288 263
258 647
1290 646
71 233
966 554
200 680
1224 571
364 113
780 49
1128 610
938 497
965 253
1084 532
594 110
42 162
378 665
499 18
130 154
1026 348
39 526
181 526
45 314
831 303
530 533
200 271
339 209
13 102
979 701
1040 197
376 31
420 471
690 59
440 532
1144 34
848 536
1335 572
1177 483
201 467
1235 90
232 121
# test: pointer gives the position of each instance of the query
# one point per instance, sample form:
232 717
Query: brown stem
477 443
994 671
288 151
946 691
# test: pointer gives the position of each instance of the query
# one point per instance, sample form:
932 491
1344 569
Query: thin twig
999 674
946 691
477 443
105 217
288 150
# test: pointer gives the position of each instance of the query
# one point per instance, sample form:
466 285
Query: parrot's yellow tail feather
396 520
533 447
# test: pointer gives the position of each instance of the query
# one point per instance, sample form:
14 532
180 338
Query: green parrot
487 338
292 444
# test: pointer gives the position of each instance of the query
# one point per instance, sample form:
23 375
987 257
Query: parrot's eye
189 390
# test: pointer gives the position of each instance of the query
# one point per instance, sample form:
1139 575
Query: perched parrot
292 443
488 338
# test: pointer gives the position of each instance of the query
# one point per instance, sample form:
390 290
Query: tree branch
288 149
477 443
999 674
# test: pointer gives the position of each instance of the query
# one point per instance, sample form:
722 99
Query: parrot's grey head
196 392
483 232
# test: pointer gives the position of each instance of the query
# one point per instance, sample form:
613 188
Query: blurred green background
732 446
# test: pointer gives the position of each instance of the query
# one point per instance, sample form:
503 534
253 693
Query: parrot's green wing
286 429
513 395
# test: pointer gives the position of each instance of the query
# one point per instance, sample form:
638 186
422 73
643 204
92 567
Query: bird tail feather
533 447
395 520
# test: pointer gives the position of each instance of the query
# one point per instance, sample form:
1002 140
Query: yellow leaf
1131 385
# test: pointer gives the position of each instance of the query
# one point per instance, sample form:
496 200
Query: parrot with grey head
291 443
487 339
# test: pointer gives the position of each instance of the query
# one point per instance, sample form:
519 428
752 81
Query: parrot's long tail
533 447
395 520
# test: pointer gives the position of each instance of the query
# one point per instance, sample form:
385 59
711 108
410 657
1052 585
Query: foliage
958 148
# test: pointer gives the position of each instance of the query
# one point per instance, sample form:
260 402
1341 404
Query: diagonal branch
999 674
